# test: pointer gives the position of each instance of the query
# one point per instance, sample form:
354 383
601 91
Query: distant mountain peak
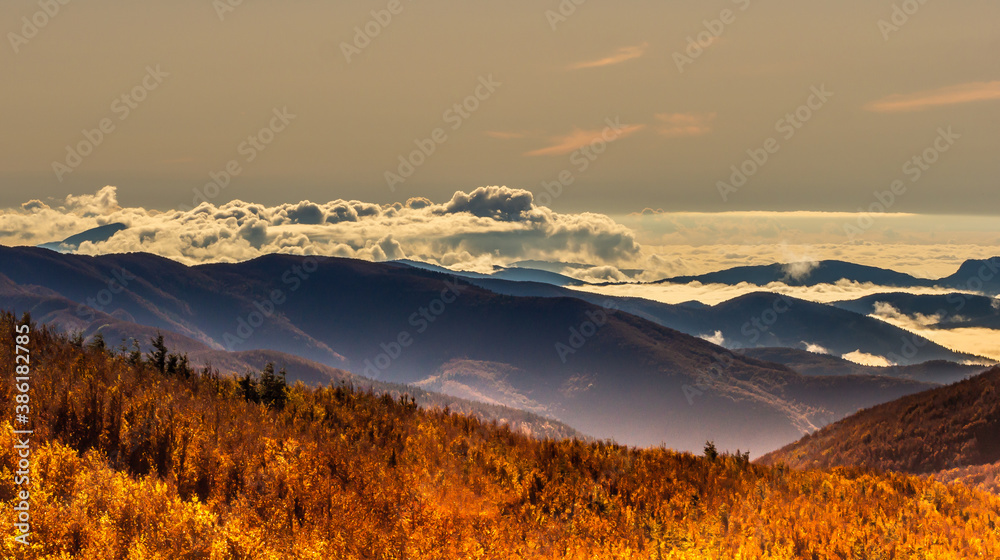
94 235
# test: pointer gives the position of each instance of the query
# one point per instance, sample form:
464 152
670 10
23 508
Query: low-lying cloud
474 230
815 348
865 359
715 338
712 294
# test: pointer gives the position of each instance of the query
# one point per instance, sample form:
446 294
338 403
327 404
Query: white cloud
815 348
886 312
716 338
800 270
712 294
864 359
475 230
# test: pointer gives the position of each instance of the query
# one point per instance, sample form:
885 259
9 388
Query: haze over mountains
767 319
606 372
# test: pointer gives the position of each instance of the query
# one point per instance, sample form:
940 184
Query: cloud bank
473 230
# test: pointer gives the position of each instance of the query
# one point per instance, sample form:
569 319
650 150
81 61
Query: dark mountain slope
804 274
945 428
763 319
94 235
608 373
973 275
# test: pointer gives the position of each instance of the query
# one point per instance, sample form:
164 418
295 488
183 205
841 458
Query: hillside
977 275
952 427
607 373
804 274
763 319
132 463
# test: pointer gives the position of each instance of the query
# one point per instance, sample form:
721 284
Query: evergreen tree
97 343
184 367
171 365
273 387
135 354
247 387
158 356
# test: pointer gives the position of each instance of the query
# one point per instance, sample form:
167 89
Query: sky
644 139
607 108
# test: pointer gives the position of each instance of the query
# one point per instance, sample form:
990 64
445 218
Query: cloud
799 270
952 95
103 202
711 294
597 274
499 203
815 348
34 205
886 312
677 125
579 138
864 359
306 213
716 338
621 55
474 230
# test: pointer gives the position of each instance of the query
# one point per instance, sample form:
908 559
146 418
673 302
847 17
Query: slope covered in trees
129 462
955 428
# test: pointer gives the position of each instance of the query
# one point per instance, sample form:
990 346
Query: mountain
939 372
951 428
975 275
948 311
764 319
135 463
607 373
804 274
64 315
513 274
93 235
556 266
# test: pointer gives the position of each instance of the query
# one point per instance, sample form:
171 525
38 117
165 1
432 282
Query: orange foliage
133 463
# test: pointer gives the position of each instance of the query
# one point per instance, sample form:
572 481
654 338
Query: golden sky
630 105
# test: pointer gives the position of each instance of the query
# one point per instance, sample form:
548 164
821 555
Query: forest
142 456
